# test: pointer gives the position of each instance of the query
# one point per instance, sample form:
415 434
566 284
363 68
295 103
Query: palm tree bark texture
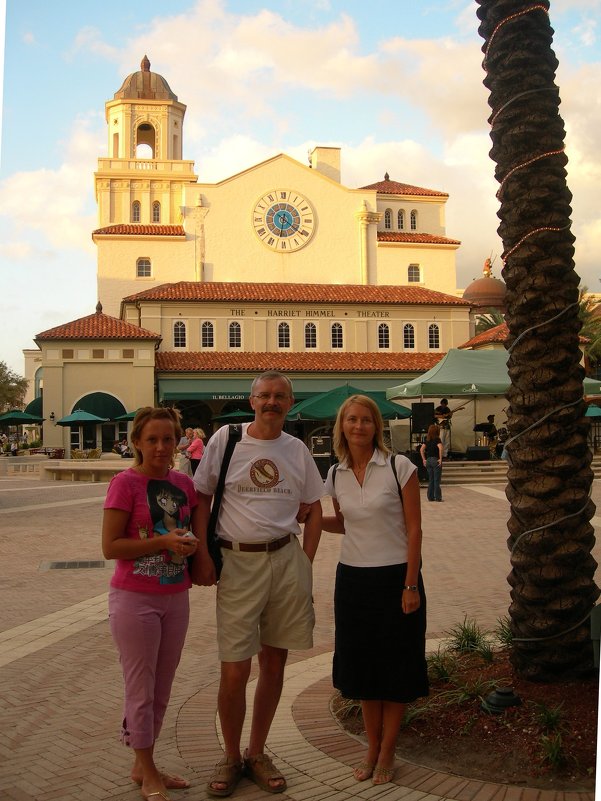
549 474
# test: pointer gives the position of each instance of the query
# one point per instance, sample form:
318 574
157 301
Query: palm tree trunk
549 476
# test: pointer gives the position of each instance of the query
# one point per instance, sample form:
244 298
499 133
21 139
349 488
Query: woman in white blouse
379 600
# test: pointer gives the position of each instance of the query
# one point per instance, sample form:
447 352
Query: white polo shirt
266 481
374 523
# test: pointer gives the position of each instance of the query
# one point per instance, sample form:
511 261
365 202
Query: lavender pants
149 631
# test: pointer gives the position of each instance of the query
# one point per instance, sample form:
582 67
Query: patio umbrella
126 416
17 418
79 417
237 414
325 405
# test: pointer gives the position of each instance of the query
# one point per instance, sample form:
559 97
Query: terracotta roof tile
388 187
415 239
215 291
302 362
97 326
498 334
141 230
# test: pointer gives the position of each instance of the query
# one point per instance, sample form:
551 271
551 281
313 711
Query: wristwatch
412 587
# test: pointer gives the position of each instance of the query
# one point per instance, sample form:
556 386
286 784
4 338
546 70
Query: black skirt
380 652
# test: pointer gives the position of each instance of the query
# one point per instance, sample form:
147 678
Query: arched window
408 337
179 334
388 219
235 335
337 338
400 220
433 337
413 220
145 141
310 335
207 335
383 335
156 212
413 274
283 335
143 268
135 211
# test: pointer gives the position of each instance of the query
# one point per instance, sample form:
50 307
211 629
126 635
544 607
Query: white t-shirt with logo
266 481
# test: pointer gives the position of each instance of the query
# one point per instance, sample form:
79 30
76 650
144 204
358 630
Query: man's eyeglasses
278 396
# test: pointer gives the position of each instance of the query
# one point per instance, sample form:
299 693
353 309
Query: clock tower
141 189
142 179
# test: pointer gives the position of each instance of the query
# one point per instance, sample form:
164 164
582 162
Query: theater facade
202 286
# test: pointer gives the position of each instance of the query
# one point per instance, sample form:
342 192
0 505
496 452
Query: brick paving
61 693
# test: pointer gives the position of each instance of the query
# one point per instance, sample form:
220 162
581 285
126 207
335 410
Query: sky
398 86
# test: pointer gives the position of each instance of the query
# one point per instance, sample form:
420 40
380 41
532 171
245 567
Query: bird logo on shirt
264 474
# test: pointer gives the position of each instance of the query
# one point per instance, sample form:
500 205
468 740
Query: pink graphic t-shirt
156 507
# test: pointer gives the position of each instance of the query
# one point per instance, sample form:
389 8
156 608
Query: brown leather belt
254 547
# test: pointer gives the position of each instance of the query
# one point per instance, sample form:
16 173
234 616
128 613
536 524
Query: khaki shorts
264 599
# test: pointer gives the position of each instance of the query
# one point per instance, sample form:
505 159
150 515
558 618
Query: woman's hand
410 601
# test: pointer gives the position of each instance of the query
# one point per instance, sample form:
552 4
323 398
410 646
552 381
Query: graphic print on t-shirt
166 503
265 474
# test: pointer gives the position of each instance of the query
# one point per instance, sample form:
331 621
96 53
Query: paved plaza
61 682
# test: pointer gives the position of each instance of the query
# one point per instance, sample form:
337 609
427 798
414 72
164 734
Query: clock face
283 220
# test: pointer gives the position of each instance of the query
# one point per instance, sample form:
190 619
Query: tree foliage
590 316
491 319
12 389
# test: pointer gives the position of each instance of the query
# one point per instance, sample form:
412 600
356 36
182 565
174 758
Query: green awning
224 389
101 404
35 407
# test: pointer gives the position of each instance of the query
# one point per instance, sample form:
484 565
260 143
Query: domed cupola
145 119
145 85
487 292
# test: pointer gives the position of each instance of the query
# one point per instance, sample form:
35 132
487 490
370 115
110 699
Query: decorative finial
145 64
386 176
99 308
487 269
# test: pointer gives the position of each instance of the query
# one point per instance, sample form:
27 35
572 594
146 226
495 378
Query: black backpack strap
396 476
234 436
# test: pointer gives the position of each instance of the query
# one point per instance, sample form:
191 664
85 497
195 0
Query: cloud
54 208
246 78
89 39
28 38
454 103
16 251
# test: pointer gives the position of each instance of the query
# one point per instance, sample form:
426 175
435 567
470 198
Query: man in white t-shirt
264 596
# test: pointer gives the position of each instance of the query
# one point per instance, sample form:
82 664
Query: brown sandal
227 772
261 770
363 771
383 775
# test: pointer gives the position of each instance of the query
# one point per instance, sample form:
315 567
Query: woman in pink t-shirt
146 528
196 449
